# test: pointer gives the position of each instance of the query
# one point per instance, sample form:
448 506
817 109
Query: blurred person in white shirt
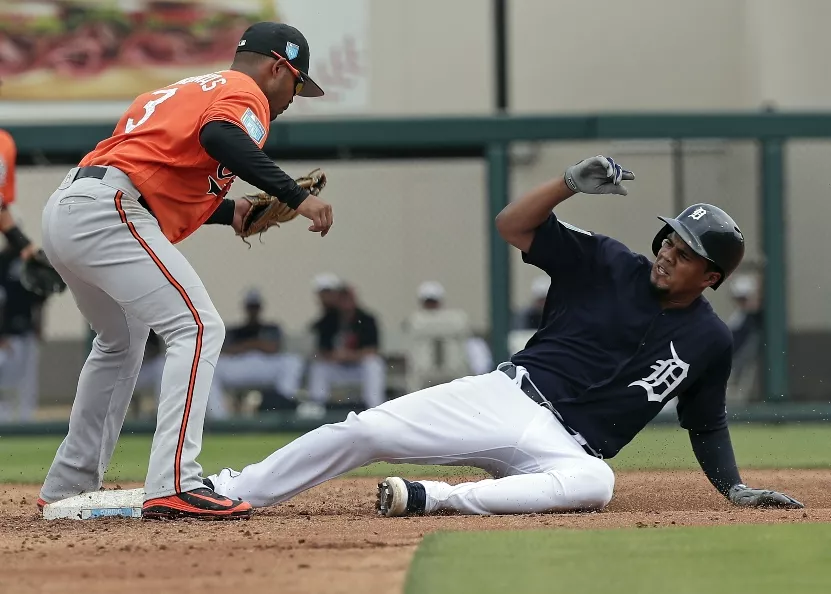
431 297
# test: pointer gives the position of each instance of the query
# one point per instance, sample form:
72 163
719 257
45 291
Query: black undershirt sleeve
231 146
224 213
714 452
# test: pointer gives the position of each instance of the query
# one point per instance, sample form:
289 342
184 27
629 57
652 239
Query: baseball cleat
400 497
202 504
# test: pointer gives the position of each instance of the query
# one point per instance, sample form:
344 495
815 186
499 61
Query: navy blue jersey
608 355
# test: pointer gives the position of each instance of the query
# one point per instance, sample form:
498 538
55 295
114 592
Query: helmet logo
698 213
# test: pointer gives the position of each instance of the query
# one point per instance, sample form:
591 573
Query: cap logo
242 43
698 213
291 50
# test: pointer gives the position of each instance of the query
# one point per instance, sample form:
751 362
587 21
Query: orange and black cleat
203 504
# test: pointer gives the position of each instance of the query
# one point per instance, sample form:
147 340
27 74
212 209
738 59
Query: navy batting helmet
710 232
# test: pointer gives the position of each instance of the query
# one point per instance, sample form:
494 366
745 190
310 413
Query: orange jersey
8 156
156 143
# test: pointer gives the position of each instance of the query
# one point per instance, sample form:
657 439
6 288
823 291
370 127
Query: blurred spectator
530 318
22 332
252 358
7 394
347 352
431 295
327 287
746 324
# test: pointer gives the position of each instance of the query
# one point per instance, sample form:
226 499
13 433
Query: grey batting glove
597 175
744 496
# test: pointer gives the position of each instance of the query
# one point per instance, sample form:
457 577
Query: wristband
295 201
17 240
224 213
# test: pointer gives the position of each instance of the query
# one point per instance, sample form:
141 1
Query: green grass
798 445
760 559
26 459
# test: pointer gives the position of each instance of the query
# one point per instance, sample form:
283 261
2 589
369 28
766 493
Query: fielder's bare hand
319 213
241 208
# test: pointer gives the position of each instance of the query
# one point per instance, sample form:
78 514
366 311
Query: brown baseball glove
266 211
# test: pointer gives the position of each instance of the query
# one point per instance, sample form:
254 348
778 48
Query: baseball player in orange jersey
15 237
110 230
20 370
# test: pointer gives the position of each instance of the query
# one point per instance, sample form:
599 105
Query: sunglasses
300 82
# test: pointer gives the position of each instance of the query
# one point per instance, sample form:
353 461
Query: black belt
97 172
90 171
527 386
530 390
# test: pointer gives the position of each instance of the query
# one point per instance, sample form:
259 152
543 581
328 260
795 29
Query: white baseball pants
483 421
126 278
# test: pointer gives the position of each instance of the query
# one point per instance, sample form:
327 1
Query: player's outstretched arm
519 220
714 452
231 146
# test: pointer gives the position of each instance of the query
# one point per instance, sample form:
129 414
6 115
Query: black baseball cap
270 39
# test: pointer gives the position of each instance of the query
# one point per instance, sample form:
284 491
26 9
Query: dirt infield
329 539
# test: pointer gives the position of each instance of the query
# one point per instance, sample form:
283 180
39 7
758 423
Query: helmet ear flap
659 238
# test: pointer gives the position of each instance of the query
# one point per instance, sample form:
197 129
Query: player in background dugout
18 241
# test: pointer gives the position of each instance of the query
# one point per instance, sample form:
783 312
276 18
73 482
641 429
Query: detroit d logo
698 213
667 374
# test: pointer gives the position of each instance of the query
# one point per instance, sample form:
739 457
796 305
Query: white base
101 504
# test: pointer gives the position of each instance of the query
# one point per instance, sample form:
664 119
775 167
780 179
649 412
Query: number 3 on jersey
150 107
